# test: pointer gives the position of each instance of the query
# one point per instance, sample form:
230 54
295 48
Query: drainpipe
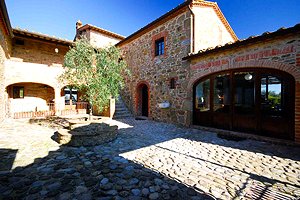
193 30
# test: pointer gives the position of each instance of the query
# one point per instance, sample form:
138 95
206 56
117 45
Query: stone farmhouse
188 67
30 66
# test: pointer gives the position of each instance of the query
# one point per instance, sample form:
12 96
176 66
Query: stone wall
282 53
203 28
34 51
37 62
100 40
5 51
156 71
209 29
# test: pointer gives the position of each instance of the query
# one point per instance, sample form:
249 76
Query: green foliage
274 98
97 72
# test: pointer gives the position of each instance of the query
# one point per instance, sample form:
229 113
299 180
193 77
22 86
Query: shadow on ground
147 162
7 157
95 172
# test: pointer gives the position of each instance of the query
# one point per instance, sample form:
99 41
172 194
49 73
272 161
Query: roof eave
32 35
6 18
106 32
153 23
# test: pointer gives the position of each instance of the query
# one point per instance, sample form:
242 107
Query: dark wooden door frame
287 79
139 97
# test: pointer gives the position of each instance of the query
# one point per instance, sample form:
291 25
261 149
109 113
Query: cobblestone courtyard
148 160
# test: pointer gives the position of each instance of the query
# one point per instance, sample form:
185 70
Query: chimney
78 24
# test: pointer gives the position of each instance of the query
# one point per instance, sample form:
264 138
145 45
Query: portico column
57 101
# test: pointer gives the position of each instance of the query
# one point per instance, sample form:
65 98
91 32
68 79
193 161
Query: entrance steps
121 110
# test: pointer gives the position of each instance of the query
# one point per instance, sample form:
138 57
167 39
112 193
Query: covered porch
27 100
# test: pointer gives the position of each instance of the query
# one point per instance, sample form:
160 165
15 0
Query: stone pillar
57 101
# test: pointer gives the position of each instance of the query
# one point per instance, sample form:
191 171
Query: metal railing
75 108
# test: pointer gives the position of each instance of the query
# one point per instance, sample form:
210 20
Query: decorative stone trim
253 64
163 34
137 99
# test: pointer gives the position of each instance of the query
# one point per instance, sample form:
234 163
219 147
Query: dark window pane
203 96
70 93
244 97
222 93
18 92
159 47
172 83
271 95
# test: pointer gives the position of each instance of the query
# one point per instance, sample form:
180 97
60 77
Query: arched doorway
143 100
259 101
29 98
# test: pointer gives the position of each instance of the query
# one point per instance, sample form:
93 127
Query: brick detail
297 112
164 35
295 72
298 60
138 95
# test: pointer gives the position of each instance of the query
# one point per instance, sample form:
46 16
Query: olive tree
96 72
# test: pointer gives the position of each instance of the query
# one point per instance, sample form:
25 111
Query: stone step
121 110
122 116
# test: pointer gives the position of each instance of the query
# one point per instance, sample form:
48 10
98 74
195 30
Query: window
159 47
18 92
19 42
222 93
70 94
271 95
172 83
244 97
203 96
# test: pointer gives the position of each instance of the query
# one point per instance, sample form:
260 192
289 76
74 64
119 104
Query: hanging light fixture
248 76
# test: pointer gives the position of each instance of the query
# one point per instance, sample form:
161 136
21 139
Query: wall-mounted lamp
248 77
56 50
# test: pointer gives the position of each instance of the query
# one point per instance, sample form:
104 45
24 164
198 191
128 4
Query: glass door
202 115
222 101
244 113
274 95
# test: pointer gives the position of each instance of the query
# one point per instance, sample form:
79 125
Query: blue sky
58 17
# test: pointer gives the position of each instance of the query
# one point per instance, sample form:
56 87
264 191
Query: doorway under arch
29 97
259 101
143 100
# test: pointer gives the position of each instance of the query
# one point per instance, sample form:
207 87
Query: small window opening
159 47
19 42
172 83
18 92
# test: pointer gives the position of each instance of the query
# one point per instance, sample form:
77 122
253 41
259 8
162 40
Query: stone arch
292 70
267 64
142 98
29 97
50 84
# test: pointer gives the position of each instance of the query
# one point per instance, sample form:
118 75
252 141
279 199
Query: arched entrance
260 101
24 98
143 100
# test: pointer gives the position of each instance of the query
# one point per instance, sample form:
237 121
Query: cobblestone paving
148 160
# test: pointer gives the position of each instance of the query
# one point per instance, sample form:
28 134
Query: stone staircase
121 110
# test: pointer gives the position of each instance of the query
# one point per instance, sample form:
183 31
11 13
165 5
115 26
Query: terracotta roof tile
32 34
101 30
